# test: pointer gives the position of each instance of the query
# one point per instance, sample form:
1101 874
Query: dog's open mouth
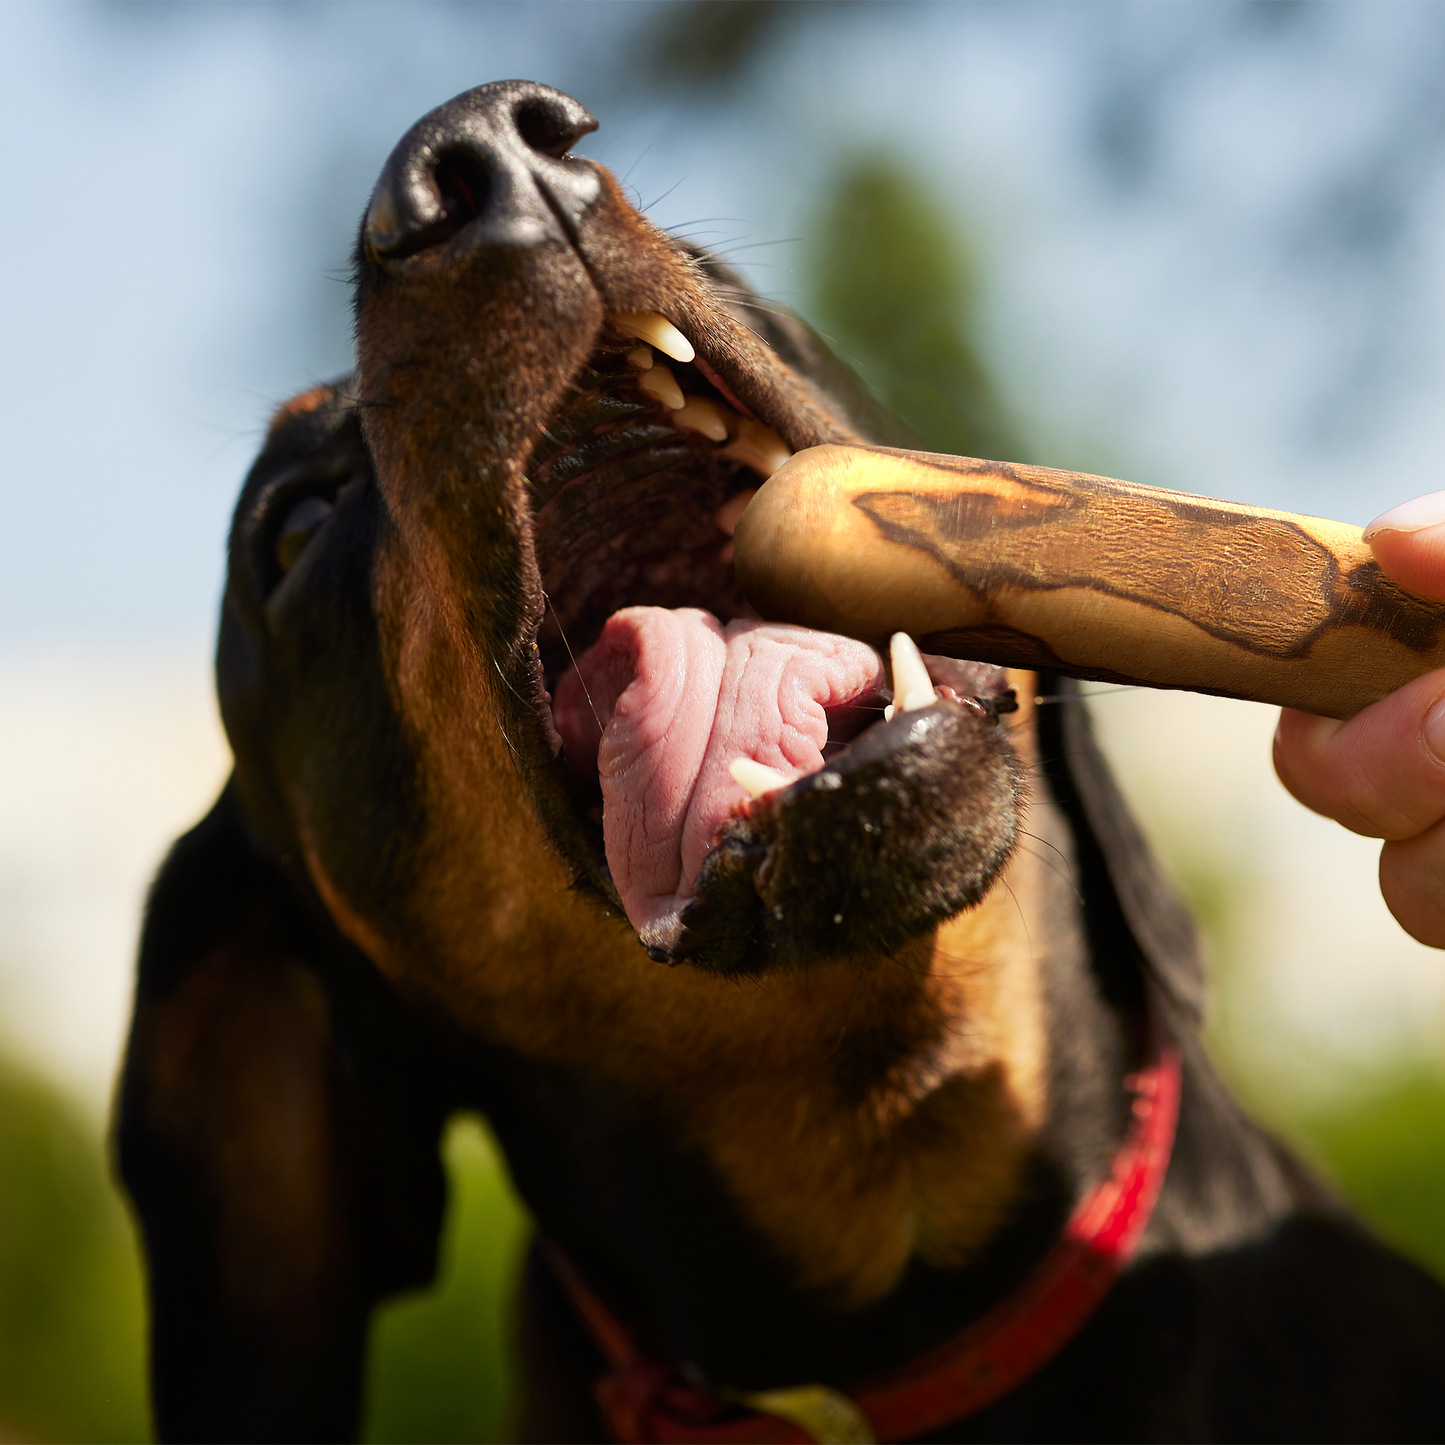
690 726
733 783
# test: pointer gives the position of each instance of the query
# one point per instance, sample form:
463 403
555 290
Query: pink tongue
679 697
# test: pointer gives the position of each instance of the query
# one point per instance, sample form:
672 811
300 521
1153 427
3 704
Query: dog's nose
492 163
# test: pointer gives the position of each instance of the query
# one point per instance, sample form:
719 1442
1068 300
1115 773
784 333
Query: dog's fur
811 1150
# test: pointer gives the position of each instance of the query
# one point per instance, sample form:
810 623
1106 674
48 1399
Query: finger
1381 773
1409 544
1412 882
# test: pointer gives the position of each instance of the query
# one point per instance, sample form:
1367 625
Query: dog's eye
302 523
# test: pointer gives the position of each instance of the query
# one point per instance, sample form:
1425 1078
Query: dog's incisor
801 1085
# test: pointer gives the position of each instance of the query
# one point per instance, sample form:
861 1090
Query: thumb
1409 544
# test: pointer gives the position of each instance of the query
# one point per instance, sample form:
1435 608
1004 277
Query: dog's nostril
549 128
460 184
463 184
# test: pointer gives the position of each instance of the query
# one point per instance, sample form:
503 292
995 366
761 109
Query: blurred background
1200 246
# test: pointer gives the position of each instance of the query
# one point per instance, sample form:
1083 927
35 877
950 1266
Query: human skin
1381 773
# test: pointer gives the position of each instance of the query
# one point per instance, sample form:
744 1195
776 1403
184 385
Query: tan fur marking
299 405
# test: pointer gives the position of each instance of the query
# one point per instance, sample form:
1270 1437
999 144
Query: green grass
71 1299
1386 1152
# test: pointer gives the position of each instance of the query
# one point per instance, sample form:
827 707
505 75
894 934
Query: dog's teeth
759 447
658 382
757 779
912 685
640 358
656 330
697 413
888 712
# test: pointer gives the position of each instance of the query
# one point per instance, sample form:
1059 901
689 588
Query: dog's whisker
1044 842
757 245
760 306
637 161
563 634
658 200
1061 871
708 221
1085 696
1023 917
847 1015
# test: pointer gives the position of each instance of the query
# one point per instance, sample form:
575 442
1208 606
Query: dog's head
558 414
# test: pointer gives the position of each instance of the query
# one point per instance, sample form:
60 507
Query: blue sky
1213 237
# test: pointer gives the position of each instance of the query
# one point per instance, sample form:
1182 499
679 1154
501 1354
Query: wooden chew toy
1082 575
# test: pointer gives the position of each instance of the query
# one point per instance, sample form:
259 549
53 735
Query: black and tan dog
838 1106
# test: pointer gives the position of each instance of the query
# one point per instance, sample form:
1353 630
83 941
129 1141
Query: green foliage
711 43
71 1310
441 1362
892 284
1386 1151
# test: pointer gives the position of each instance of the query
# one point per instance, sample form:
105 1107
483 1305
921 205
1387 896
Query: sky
1210 242
1212 237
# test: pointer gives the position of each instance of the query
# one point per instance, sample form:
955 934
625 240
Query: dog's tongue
662 704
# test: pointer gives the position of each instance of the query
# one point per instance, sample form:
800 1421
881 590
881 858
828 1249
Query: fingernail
1434 729
1412 516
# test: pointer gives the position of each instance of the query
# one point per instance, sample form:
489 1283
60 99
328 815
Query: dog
863 1102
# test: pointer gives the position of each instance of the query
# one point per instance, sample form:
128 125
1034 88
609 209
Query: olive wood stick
1083 575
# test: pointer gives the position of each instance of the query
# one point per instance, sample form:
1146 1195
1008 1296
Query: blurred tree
711 43
891 283
71 1312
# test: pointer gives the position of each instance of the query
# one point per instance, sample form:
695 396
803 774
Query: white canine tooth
757 779
697 413
912 686
656 330
659 383
640 358
888 712
758 446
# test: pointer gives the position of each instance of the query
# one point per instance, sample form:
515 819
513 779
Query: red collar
643 1402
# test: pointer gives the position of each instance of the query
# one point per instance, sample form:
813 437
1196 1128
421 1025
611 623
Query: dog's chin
868 831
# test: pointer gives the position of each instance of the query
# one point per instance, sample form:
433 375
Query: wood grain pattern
1087 576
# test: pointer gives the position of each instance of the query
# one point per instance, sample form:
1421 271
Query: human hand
1382 772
